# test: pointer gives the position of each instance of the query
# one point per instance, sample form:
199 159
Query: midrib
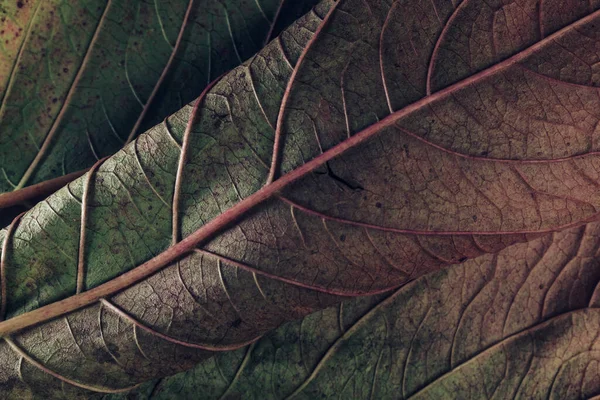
189 243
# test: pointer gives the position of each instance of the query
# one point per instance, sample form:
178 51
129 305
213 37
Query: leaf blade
229 136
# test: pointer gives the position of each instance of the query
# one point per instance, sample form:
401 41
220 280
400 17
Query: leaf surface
330 165
522 323
79 79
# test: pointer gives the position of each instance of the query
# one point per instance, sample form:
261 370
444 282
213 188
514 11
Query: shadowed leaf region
78 79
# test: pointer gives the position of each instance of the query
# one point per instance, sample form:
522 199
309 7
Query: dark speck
343 238
65 70
236 323
54 100
20 4
462 259
378 205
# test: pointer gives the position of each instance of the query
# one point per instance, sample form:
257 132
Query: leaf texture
362 148
522 323
78 79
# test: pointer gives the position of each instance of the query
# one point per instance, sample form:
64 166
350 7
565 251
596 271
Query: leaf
522 323
79 79
273 367
330 165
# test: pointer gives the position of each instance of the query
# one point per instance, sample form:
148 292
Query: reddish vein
231 215
275 18
60 377
207 347
286 96
593 217
183 160
43 189
498 160
63 110
381 66
13 72
292 282
164 73
84 212
438 45
3 255
48 187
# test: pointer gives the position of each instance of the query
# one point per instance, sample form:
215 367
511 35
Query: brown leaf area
371 143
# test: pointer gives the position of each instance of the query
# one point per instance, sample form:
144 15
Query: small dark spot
462 259
541 286
20 4
484 153
474 218
102 356
1 32
342 238
54 100
149 207
114 349
378 205
236 323
65 70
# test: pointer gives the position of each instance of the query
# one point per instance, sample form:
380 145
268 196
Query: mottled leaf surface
78 79
366 146
522 323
